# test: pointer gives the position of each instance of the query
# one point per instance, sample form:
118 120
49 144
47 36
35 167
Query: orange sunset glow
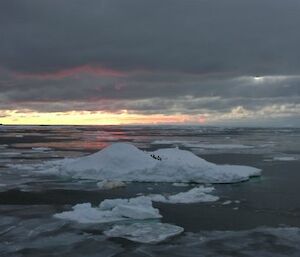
96 118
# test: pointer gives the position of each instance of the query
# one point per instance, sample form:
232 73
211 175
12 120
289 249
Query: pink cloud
73 72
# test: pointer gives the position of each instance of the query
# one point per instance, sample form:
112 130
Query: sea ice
227 202
41 149
112 210
169 142
180 184
125 162
195 195
219 146
285 158
149 232
105 184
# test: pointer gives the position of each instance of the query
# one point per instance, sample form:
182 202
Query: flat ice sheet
149 233
195 195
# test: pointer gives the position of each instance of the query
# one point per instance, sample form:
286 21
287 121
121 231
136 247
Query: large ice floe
112 210
124 210
125 162
150 232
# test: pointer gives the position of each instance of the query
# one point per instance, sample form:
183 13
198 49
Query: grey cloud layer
195 36
177 56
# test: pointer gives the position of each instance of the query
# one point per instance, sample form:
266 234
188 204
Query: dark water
263 218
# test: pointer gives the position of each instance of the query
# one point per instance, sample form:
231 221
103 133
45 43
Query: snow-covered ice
150 232
180 184
195 195
227 202
105 184
285 158
125 162
41 149
112 210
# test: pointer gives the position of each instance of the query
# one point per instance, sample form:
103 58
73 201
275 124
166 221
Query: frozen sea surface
260 217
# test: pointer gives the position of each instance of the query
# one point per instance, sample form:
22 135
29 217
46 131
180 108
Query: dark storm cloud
195 36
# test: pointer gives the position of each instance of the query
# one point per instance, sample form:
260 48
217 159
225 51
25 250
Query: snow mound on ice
145 232
195 195
125 162
112 210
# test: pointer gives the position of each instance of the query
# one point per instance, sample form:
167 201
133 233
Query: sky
204 62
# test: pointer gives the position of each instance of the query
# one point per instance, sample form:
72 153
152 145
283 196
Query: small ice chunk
227 202
285 158
195 195
106 184
180 184
41 149
112 210
149 233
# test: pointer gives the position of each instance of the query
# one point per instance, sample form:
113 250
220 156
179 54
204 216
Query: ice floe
105 184
150 232
227 202
219 146
169 142
285 158
112 210
208 146
180 184
41 149
195 195
125 162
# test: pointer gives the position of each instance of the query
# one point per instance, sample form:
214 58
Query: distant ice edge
125 162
